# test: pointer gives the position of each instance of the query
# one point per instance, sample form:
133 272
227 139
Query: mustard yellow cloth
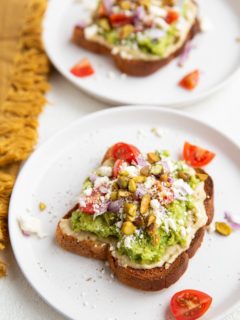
23 83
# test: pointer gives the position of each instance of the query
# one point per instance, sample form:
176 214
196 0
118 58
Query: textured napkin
23 83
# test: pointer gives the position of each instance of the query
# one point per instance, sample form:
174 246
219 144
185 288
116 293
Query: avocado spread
147 207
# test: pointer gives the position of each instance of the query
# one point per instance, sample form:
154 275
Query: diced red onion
141 191
108 5
230 219
92 177
165 166
140 13
170 179
115 206
185 54
141 161
81 24
103 189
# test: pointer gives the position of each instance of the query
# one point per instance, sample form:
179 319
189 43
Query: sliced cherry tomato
120 19
189 304
124 151
89 203
116 168
172 16
83 69
196 156
190 81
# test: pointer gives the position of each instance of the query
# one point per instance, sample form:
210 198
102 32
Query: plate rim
98 96
229 313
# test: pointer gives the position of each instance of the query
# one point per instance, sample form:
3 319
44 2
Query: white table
18 301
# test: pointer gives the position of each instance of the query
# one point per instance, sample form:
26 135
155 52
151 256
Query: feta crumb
128 241
87 191
104 171
111 75
183 232
157 11
30 225
82 202
91 31
149 182
119 224
162 24
172 224
181 189
155 204
100 180
132 171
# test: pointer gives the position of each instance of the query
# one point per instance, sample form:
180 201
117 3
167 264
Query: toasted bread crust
133 67
145 279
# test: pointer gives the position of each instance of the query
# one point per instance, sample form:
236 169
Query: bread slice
145 279
139 64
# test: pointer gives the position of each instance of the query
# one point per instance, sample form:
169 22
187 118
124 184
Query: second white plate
217 56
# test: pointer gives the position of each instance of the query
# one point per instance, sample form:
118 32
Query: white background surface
66 104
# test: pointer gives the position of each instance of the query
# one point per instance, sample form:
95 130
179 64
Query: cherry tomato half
82 69
120 19
189 304
124 151
196 156
172 16
190 81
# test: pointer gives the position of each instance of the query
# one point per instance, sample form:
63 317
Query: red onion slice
231 220
185 54
115 206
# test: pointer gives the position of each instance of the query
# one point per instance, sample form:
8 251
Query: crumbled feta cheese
149 182
128 241
132 171
119 224
183 232
31 225
87 191
172 224
154 33
82 202
104 171
90 31
100 180
111 75
181 189
155 204
162 24
157 11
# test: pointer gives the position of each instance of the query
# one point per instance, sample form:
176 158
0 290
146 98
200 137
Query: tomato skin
197 157
190 304
172 16
116 168
124 151
82 69
190 81
120 19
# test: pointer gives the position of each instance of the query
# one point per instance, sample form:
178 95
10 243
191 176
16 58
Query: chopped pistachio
223 228
139 222
156 169
126 31
202 176
153 157
164 177
139 179
151 219
145 202
128 228
123 194
124 173
132 186
130 209
114 195
42 206
183 175
123 182
145 171
104 24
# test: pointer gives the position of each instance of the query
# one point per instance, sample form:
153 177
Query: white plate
76 286
217 56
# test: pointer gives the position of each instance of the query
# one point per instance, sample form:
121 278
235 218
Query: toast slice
143 45
89 245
